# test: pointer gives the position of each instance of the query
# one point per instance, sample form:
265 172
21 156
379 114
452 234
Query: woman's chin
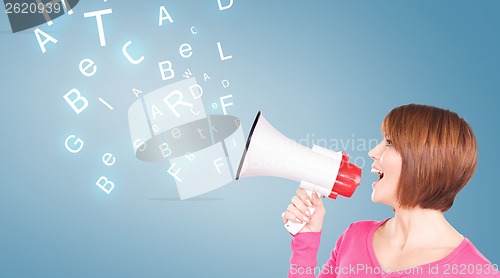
380 200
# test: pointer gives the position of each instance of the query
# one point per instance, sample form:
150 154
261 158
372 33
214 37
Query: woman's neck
417 227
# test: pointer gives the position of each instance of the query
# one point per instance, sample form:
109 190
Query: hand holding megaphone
299 211
320 170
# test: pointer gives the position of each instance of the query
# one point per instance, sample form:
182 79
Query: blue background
329 70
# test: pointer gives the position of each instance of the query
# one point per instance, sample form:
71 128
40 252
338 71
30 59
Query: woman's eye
388 143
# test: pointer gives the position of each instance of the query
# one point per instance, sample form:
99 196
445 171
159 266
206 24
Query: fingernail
308 213
309 203
298 220
305 218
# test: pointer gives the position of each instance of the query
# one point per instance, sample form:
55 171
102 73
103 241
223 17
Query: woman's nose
371 154
374 153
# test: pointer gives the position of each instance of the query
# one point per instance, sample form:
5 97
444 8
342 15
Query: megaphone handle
294 227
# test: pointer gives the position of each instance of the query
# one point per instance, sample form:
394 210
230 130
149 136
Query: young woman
427 156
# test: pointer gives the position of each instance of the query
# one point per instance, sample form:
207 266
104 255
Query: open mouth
378 172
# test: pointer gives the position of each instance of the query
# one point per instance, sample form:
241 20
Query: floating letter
221 8
179 101
224 105
174 174
47 38
222 57
129 58
167 16
106 182
108 159
163 70
78 143
73 102
98 17
85 64
185 50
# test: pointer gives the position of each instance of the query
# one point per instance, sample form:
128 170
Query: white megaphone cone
320 170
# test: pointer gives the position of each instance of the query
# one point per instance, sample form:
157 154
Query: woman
427 156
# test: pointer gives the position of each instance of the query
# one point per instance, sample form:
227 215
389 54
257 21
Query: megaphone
319 170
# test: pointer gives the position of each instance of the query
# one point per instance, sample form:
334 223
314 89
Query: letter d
225 7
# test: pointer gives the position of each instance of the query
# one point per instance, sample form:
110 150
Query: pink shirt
353 256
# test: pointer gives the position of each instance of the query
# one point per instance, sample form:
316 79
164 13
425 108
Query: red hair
438 151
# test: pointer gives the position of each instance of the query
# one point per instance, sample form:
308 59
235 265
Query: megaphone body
320 170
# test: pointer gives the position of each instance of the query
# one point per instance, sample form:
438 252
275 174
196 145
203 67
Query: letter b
104 186
77 99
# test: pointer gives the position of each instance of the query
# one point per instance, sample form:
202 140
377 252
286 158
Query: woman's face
387 165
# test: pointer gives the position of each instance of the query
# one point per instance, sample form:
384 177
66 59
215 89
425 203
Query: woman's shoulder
361 229
467 259
355 239
468 252
365 226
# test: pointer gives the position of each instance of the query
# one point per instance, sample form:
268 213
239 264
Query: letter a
164 16
47 38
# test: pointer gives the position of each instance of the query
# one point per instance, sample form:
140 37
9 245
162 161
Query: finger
288 216
316 201
299 204
296 214
304 197
285 216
